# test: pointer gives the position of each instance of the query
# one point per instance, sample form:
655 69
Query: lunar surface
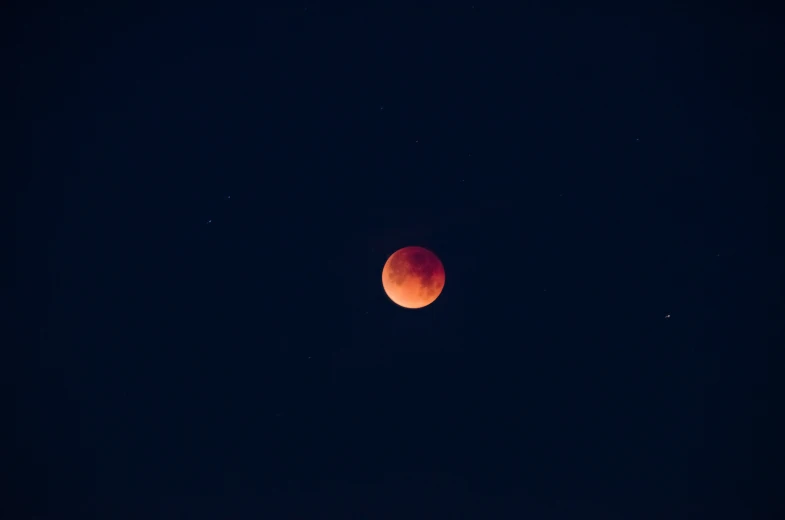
413 277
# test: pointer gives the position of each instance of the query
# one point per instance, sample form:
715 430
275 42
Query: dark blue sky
206 199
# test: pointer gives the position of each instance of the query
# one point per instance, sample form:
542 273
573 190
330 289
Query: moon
413 277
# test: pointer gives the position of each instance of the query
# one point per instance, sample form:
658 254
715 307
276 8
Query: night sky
202 201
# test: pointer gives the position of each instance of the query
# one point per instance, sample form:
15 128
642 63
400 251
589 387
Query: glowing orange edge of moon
413 277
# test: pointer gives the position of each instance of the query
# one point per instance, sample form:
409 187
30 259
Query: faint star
667 316
210 221
381 107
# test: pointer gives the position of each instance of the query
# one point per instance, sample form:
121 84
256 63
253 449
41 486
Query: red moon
413 277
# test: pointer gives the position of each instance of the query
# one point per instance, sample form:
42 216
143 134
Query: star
667 316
